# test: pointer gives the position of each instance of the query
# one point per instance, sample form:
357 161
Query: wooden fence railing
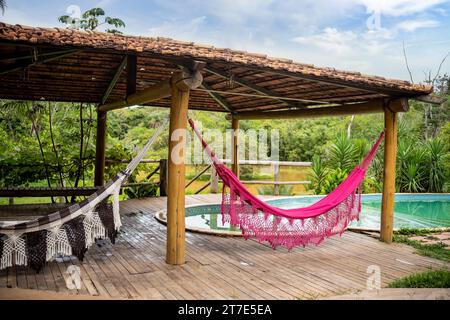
161 170
214 180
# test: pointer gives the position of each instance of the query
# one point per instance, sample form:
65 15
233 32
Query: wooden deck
218 267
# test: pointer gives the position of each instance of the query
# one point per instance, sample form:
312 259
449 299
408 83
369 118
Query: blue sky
360 35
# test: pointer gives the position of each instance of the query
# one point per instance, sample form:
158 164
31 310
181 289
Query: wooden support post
214 180
235 146
163 177
390 155
131 74
180 88
276 173
99 178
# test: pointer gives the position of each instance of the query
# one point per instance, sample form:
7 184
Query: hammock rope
290 227
72 230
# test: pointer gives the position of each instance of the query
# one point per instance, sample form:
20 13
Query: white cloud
339 42
178 29
413 25
397 8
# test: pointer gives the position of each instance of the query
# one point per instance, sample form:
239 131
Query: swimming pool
411 211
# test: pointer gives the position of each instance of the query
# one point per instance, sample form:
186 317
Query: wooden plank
275 182
135 266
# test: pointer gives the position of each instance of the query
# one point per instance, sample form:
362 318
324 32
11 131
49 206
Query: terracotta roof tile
166 46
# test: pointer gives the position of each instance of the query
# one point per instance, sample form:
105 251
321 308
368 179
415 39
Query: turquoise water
410 211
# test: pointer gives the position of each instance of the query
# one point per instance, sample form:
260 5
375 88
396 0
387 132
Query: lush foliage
428 279
54 144
141 191
422 160
283 190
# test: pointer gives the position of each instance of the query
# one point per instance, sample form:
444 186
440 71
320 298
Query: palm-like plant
3 5
412 178
90 21
411 167
343 154
436 153
317 175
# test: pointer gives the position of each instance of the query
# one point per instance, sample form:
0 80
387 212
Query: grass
428 279
438 251
419 232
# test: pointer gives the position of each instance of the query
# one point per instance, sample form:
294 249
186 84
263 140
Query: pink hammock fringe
290 227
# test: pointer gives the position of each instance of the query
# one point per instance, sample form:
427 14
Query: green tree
91 20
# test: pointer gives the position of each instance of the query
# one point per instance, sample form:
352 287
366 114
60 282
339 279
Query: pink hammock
290 227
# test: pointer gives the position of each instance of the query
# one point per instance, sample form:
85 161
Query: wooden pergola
116 71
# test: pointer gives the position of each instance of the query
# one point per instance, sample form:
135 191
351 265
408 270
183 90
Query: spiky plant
343 153
317 174
436 153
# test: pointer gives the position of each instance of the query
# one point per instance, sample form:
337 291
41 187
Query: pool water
410 211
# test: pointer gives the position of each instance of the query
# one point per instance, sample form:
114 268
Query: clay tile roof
244 62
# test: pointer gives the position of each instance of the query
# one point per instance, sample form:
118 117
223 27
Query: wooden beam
197 176
254 95
395 92
251 86
184 79
390 155
131 74
235 146
221 101
175 252
114 80
99 176
47 192
374 106
431 99
34 56
206 185
23 65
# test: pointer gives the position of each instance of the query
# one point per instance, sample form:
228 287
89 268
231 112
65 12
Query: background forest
53 144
